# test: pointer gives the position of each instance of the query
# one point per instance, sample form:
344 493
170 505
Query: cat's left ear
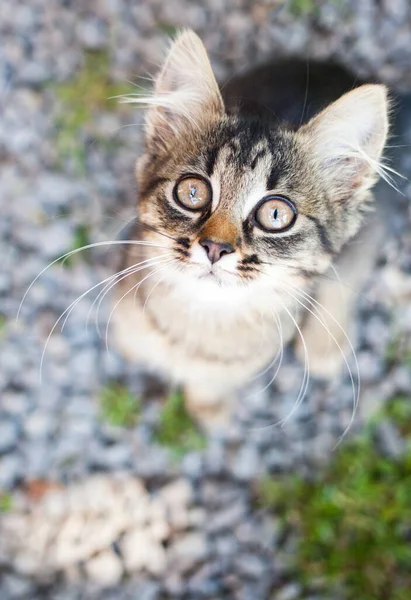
347 139
186 93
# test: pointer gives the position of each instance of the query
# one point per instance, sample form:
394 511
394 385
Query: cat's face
240 202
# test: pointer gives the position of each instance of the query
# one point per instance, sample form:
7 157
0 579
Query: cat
241 218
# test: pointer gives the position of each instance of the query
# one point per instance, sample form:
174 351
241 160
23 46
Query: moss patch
2 325
176 430
6 502
355 522
118 407
81 238
90 91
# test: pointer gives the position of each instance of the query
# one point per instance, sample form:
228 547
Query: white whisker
129 291
63 257
66 315
280 353
356 393
306 376
151 291
131 271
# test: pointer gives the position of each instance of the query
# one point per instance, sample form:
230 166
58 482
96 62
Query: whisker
151 291
304 383
306 376
128 292
280 350
65 315
129 270
148 263
279 354
356 393
76 251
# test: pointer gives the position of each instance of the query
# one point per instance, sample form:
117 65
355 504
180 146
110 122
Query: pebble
227 518
11 470
391 443
247 464
188 551
16 587
141 551
291 591
105 569
9 435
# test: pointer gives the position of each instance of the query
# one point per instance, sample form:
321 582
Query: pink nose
215 250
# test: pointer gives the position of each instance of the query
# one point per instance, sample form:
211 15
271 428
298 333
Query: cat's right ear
346 140
186 94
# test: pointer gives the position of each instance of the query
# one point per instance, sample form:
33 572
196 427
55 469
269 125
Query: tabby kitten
239 216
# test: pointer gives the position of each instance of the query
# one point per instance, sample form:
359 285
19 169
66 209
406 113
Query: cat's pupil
275 214
193 191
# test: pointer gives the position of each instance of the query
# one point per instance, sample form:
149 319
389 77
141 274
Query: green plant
118 406
6 502
2 325
399 351
302 7
167 28
90 91
354 523
176 429
81 238
307 7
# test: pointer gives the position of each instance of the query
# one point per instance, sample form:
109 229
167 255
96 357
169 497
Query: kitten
239 218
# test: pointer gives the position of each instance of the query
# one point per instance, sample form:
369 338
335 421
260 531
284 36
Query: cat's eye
193 192
275 213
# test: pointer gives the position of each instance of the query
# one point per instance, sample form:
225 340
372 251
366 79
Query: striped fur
211 328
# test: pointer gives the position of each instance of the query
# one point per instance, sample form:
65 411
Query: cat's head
239 201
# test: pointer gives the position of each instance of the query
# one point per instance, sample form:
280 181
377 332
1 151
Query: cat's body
245 215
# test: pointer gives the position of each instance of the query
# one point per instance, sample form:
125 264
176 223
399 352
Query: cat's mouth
216 274
211 276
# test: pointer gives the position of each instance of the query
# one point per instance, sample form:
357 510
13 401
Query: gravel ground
122 519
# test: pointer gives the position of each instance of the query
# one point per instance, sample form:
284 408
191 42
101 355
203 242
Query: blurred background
107 491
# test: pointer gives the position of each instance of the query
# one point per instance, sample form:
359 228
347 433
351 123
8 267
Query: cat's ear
347 139
186 93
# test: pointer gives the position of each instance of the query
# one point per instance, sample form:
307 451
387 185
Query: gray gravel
198 534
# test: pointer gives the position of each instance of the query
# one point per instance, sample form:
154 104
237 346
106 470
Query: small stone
251 565
226 546
56 239
390 440
9 435
11 470
192 465
247 463
105 569
141 551
227 518
39 425
178 493
289 592
188 551
17 587
215 459
370 366
148 590
92 33
197 517
38 458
